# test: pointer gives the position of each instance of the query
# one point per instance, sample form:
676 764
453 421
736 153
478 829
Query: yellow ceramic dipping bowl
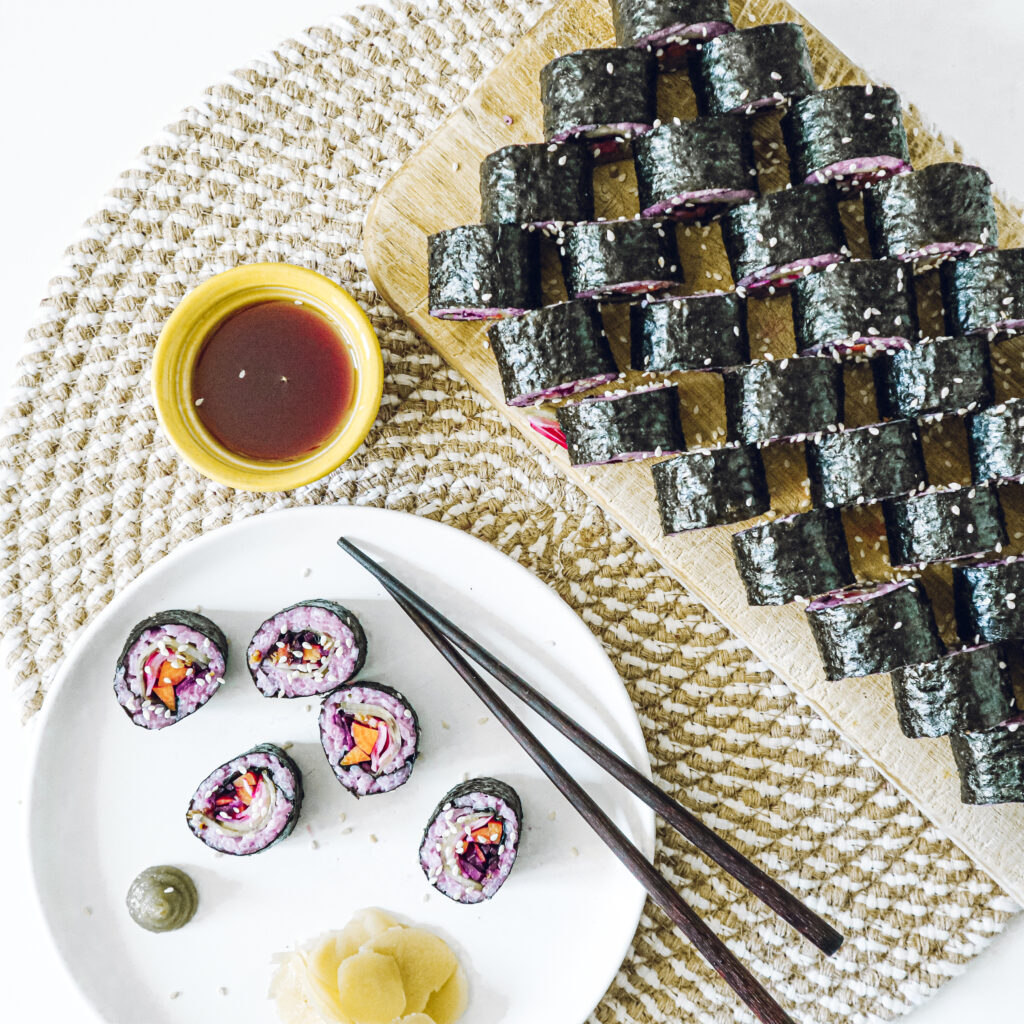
201 311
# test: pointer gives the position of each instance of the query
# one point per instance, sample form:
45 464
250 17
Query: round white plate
108 798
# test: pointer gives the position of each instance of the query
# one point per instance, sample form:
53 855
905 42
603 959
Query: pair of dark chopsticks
451 642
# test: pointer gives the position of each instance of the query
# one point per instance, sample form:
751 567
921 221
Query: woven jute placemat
278 162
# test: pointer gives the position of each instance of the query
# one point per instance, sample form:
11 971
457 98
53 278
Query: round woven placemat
278 163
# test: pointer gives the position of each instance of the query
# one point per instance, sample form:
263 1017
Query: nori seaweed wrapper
851 135
991 765
542 183
552 352
856 306
711 488
798 556
653 23
864 631
854 467
685 169
940 211
936 375
699 332
619 257
483 271
755 68
620 428
984 293
777 400
989 600
776 239
944 524
995 441
966 690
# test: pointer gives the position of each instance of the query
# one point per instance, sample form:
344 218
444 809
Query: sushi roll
991 764
306 649
782 400
852 135
855 467
552 352
754 69
862 631
619 258
370 734
944 524
471 840
984 294
483 271
995 441
606 96
249 803
171 664
985 596
711 488
795 557
858 306
668 26
542 184
690 168
938 212
775 240
934 376
622 428
963 691
699 332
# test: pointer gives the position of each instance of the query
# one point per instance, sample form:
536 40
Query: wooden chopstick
766 888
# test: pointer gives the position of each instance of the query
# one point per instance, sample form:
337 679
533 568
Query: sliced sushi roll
471 840
370 734
859 306
855 467
984 294
995 441
699 332
782 400
483 271
619 258
775 240
622 427
306 649
552 352
753 69
249 803
986 597
606 96
933 214
542 184
171 664
793 558
711 488
852 135
991 764
690 168
862 631
668 27
934 376
963 691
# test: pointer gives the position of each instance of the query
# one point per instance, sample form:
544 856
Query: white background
87 85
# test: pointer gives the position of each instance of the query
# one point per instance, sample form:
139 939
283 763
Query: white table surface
85 86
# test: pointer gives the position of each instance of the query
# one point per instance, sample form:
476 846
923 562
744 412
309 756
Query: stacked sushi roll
667 26
699 332
984 294
987 597
995 440
991 764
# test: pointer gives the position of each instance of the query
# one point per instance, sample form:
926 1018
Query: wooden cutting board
439 188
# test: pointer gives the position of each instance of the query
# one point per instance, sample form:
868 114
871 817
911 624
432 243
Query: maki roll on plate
668 26
852 135
542 184
552 352
793 558
985 595
370 734
941 211
699 332
249 803
862 631
171 664
471 840
306 649
483 271
984 294
991 764
622 427
995 441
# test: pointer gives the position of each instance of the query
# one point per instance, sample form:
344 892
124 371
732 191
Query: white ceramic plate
108 798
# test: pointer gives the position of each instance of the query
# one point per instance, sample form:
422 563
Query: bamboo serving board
439 188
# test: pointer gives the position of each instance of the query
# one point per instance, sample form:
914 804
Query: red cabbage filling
475 312
697 205
783 276
859 172
626 288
